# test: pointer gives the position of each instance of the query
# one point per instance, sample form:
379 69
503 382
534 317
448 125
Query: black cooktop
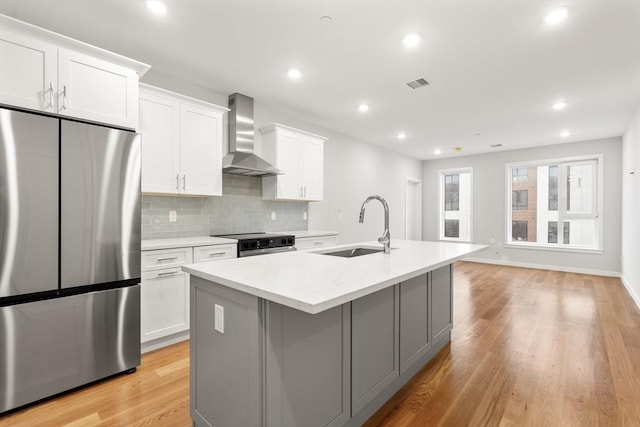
253 241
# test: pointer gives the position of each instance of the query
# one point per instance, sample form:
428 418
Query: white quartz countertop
312 282
180 242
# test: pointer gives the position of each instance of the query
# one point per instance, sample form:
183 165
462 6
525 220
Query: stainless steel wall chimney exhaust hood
241 160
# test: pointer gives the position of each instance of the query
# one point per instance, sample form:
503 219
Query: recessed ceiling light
559 105
401 136
565 133
326 19
294 74
363 108
411 40
556 16
437 151
457 149
157 7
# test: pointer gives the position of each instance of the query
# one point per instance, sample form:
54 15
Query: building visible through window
455 204
520 200
452 192
452 228
553 199
520 230
552 228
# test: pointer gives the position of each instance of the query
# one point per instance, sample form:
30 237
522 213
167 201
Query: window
455 204
519 174
557 205
452 228
552 228
519 200
452 192
553 188
520 230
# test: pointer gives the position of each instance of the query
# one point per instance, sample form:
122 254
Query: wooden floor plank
529 348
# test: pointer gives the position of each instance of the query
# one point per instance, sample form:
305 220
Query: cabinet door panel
415 333
160 129
441 289
28 75
164 303
311 164
200 151
97 90
374 342
307 367
288 161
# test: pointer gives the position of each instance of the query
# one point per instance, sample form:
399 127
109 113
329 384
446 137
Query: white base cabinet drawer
164 258
213 253
164 303
316 242
165 291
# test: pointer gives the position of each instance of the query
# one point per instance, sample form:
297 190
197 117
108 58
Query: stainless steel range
250 244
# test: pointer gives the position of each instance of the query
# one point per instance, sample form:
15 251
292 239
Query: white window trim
552 246
441 196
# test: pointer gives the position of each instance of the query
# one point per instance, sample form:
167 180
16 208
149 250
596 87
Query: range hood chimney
241 160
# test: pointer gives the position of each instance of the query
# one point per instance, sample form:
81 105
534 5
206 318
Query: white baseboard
545 267
633 294
164 341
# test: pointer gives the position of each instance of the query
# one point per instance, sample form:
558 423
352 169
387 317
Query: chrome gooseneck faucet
385 239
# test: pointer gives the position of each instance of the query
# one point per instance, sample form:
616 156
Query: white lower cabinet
164 307
164 303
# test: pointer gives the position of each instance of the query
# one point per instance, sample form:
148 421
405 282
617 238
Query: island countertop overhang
312 282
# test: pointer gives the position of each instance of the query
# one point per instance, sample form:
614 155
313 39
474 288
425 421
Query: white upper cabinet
28 72
45 71
300 155
181 144
97 90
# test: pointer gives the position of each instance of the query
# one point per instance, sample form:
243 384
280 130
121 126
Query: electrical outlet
173 216
219 318
273 215
304 216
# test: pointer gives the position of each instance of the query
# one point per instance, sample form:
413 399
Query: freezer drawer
51 346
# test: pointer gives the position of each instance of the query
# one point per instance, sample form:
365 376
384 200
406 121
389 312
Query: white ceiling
495 68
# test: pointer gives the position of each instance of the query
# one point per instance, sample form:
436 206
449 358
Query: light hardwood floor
529 348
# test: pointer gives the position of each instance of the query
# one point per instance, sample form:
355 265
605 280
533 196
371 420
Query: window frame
598 188
441 203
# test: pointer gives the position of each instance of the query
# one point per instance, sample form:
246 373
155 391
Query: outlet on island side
273 215
219 318
304 216
173 216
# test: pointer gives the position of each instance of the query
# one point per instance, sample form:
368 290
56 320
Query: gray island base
256 362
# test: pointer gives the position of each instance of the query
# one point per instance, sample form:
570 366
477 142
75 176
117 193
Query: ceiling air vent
415 84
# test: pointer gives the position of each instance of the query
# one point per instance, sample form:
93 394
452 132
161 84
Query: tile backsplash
239 210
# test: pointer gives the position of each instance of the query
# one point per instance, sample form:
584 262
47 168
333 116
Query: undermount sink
353 252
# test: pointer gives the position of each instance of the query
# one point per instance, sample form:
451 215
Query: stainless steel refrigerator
69 255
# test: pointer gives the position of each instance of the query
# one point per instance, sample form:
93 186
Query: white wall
489 208
353 170
631 208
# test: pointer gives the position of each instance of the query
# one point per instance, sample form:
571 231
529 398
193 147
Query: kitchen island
308 339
